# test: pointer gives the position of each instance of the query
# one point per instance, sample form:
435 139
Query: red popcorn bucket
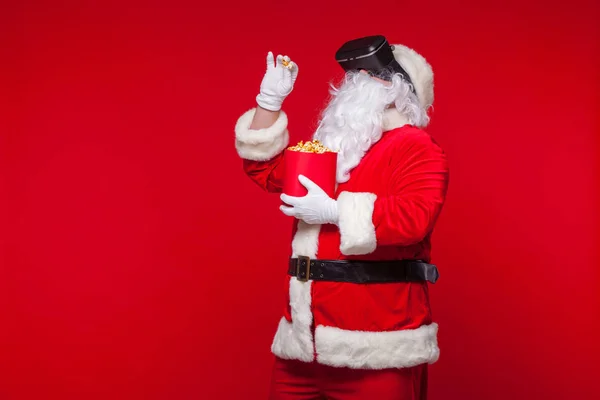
318 167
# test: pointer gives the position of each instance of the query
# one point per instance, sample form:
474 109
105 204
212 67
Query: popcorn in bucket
313 160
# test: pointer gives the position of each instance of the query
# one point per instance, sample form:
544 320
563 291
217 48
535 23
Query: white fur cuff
377 350
260 144
357 232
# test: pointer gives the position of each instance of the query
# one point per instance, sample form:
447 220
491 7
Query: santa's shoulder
409 136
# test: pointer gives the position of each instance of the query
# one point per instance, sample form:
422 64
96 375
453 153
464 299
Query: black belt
359 271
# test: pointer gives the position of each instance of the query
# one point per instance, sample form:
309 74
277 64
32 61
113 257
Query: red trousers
296 380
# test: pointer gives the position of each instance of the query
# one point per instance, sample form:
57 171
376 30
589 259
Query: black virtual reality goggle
372 54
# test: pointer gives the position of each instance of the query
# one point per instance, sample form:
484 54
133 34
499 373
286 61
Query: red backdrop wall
133 243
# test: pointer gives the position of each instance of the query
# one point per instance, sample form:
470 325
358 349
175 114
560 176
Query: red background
133 259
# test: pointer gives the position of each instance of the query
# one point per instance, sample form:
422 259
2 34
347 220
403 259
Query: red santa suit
387 210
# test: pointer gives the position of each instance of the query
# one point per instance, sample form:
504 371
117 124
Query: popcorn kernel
313 146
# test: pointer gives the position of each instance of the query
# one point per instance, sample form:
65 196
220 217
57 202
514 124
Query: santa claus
357 323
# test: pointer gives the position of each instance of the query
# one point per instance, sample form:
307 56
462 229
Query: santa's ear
419 71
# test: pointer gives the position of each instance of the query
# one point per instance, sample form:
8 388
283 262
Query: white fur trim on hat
419 71
260 144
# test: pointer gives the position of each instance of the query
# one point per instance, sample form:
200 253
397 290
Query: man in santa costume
357 322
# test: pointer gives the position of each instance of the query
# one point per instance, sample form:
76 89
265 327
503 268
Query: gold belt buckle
303 262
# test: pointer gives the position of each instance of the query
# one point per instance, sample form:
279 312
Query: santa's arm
260 138
403 217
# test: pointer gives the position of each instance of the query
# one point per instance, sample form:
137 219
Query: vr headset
373 54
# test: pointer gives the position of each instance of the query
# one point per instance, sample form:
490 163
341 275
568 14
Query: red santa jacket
387 211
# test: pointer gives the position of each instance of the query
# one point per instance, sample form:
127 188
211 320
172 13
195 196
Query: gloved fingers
311 221
287 80
289 211
291 69
294 71
291 200
308 184
284 86
279 60
270 60
286 83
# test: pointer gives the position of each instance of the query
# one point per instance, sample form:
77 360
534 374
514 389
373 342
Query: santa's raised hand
278 82
314 208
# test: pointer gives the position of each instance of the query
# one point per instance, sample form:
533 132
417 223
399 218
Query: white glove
277 83
314 208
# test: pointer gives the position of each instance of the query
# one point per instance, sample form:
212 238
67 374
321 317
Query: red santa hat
419 71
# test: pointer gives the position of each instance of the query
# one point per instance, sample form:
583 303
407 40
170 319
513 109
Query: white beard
353 119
